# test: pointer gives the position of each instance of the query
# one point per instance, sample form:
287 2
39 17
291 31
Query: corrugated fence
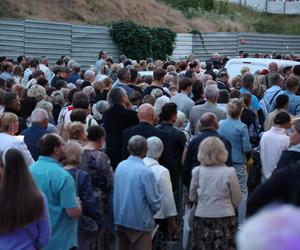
83 43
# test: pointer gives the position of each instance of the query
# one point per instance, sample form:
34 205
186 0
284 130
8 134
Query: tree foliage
139 42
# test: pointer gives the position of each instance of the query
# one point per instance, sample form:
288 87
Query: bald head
273 67
209 120
146 113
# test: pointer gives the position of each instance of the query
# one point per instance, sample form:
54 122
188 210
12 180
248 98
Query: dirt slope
146 12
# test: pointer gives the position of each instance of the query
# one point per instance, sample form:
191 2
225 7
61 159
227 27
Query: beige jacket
216 190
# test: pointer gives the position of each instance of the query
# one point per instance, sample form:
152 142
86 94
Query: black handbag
85 223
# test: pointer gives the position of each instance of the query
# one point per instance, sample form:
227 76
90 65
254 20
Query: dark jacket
149 89
147 130
115 120
31 137
85 193
176 140
222 85
283 186
192 151
288 158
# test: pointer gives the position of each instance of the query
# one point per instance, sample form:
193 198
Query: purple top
22 239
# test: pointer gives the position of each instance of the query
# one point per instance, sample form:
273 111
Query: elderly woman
73 154
237 133
216 191
9 125
97 164
165 217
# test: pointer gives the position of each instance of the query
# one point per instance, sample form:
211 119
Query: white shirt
272 143
9 141
47 71
164 186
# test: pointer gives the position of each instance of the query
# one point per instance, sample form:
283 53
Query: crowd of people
121 150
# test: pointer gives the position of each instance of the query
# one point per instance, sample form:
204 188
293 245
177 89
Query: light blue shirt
294 102
254 102
59 188
27 73
270 95
136 199
237 133
6 76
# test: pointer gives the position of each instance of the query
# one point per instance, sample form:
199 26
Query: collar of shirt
136 159
49 159
278 130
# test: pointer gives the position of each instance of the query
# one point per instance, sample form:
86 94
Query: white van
234 66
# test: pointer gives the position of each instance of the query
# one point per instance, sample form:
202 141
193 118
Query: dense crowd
125 150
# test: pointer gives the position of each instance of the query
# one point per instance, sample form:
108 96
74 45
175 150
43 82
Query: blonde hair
6 119
73 153
75 131
212 151
235 108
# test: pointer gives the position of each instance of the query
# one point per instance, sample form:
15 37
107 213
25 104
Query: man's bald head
209 120
273 67
146 113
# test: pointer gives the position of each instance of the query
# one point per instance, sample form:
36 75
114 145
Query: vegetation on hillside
223 10
177 15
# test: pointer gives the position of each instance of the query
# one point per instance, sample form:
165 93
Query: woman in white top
216 191
9 126
166 216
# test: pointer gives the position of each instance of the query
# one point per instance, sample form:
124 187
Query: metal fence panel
11 38
47 38
87 41
265 43
207 44
83 43
183 46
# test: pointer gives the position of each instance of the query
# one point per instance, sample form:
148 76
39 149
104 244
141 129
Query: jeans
242 175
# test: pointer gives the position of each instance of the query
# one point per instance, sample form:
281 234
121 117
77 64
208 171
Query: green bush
139 42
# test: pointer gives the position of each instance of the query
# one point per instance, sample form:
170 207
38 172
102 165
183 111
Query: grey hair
116 96
296 124
211 92
71 63
38 115
89 91
181 118
99 108
160 102
76 66
88 74
137 145
57 98
155 147
45 105
266 223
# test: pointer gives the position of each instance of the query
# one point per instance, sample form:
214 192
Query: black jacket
115 120
147 130
287 159
283 186
192 151
176 140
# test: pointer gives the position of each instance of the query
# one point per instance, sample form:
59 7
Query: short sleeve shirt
59 188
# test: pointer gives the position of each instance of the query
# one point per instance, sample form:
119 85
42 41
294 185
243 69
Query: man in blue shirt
291 84
39 124
247 86
59 188
136 199
8 68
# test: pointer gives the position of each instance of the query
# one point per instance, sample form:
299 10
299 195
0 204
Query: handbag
85 223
